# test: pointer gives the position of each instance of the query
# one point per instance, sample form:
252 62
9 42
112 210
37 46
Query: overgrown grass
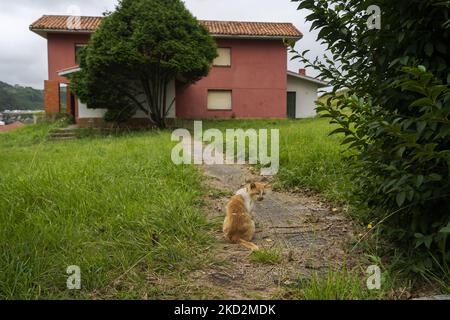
266 256
29 135
335 285
115 206
309 157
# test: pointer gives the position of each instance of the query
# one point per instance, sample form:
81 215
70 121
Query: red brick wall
51 96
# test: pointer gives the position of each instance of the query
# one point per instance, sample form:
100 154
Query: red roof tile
267 29
66 23
217 28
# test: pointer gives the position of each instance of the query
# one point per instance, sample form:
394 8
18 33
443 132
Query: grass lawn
309 157
117 207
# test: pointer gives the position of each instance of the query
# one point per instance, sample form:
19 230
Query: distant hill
20 98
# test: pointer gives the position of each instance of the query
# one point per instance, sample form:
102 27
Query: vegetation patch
266 256
115 206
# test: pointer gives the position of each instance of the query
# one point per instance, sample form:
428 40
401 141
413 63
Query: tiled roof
266 29
217 28
88 24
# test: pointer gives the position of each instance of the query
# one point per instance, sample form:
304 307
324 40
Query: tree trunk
155 90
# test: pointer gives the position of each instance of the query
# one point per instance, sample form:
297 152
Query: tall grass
115 206
309 157
340 284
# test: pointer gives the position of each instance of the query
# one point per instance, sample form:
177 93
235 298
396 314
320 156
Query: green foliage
341 284
394 112
335 285
266 256
136 52
20 98
115 206
402 163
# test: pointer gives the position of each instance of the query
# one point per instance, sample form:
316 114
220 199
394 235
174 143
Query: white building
302 94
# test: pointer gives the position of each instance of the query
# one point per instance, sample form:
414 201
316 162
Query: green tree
135 53
395 112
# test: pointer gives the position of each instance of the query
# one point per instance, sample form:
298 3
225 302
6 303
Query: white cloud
23 54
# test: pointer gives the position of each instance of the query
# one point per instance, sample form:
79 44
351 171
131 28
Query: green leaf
445 230
340 130
434 177
400 198
400 152
428 241
419 180
422 102
421 126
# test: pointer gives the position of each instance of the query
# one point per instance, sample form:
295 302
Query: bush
394 112
402 161
135 54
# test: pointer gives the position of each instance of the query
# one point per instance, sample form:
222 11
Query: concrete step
62 131
62 134
62 138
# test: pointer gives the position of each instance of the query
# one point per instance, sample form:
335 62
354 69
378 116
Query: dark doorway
72 105
291 104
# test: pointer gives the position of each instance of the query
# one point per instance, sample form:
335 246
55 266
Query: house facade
249 78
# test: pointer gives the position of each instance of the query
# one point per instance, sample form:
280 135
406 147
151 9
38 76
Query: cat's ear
253 186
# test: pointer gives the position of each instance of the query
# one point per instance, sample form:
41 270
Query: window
62 98
219 100
78 49
224 58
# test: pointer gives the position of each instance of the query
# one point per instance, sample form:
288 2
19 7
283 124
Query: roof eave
261 37
320 83
43 32
66 72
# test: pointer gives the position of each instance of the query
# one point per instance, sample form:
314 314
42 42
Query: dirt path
311 237
10 127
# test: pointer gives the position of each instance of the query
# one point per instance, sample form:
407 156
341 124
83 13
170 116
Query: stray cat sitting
239 226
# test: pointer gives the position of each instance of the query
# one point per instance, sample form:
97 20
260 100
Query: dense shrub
395 112
134 55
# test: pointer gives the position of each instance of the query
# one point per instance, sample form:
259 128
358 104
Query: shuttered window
224 58
219 100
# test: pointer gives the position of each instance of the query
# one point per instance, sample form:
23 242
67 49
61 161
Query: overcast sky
23 54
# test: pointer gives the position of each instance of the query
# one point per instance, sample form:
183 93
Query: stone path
310 236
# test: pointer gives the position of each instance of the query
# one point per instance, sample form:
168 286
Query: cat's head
257 190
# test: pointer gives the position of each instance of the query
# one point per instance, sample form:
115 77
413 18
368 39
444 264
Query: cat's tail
248 245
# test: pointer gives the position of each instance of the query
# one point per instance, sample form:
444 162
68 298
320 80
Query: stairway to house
62 134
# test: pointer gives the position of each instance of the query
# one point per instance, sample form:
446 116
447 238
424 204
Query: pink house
249 79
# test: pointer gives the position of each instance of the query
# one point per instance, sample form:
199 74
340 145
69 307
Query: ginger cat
239 226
